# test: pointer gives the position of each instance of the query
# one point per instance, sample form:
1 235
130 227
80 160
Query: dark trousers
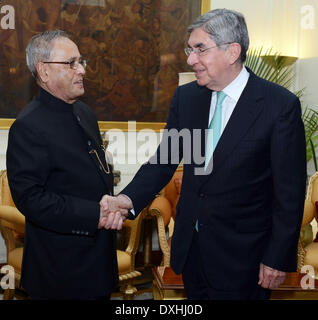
197 287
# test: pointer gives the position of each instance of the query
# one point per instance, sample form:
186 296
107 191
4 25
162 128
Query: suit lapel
201 114
200 119
245 113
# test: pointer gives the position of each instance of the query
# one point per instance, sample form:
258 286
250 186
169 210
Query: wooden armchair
12 224
12 228
126 259
307 245
163 207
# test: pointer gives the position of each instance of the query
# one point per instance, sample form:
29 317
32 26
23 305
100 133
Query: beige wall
289 27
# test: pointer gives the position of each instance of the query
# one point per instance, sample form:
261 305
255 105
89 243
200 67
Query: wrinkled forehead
199 38
64 49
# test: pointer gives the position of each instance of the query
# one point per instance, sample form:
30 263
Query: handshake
114 211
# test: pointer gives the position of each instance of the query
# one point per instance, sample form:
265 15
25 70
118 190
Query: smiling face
59 79
216 67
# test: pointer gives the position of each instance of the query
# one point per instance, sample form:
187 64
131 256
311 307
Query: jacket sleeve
29 168
288 164
157 172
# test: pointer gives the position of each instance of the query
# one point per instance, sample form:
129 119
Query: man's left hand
270 278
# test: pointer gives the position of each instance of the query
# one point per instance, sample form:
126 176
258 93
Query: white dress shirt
233 92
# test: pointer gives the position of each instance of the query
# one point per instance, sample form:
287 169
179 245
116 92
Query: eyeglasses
200 51
73 64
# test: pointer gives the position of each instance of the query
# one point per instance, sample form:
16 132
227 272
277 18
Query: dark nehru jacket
57 182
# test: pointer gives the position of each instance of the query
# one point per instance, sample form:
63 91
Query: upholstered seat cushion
311 257
123 259
5 194
15 258
309 212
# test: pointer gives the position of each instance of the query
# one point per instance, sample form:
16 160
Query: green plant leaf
313 154
272 67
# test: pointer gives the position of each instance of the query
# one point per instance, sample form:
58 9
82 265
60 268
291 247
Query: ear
42 71
234 52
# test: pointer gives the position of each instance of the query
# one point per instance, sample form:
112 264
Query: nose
192 59
80 69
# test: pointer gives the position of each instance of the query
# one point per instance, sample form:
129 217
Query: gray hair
40 47
224 26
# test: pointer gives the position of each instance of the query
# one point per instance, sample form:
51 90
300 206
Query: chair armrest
309 213
161 204
161 209
13 216
134 235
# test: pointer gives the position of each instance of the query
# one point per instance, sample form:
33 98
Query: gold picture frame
5 123
205 6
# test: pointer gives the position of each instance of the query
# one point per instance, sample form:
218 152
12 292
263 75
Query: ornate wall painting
134 50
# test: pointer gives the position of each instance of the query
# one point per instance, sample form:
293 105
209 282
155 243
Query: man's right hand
102 219
114 211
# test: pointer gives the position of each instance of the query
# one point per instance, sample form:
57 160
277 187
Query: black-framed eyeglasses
200 51
73 64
